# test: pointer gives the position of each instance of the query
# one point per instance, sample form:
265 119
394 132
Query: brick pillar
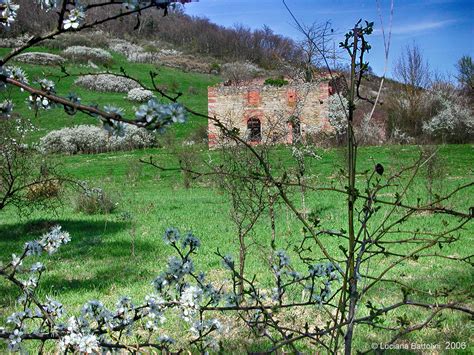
291 97
212 133
325 90
253 98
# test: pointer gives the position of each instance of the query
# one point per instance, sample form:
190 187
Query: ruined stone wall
275 107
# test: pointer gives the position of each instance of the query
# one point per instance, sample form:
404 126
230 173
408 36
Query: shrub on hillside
94 200
40 58
133 138
107 83
240 71
215 68
368 132
44 190
140 95
144 57
278 82
400 137
13 42
86 39
453 122
90 139
124 47
85 54
337 115
151 54
153 57
186 63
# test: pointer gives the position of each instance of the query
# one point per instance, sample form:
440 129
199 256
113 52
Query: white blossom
40 58
51 241
37 267
190 299
337 113
453 118
87 53
140 95
16 261
8 12
48 4
106 83
14 340
92 139
74 18
88 344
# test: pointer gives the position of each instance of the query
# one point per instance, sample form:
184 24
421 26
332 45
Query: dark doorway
254 129
295 130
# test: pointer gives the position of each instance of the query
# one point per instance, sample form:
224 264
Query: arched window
254 129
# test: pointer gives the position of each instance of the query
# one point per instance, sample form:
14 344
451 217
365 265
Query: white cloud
416 28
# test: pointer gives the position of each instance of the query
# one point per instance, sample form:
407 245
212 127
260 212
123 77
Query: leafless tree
412 69
27 180
248 201
408 110
314 46
465 74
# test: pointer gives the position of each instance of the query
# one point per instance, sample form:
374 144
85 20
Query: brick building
269 114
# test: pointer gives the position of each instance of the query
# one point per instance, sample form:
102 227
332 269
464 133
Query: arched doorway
295 129
254 130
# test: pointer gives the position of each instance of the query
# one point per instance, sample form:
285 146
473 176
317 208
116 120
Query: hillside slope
192 85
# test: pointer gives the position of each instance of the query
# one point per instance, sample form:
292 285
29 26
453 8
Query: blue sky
443 29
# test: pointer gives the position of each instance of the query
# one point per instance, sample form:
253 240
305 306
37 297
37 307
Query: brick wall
276 108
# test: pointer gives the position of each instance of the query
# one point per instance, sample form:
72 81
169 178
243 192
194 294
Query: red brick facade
264 113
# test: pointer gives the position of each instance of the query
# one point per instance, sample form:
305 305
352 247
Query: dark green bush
215 68
279 82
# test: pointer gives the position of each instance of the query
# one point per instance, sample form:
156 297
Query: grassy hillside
192 85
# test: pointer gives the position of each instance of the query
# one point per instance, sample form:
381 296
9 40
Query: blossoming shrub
90 139
369 132
400 137
85 54
106 83
140 95
186 63
240 71
124 47
337 114
40 58
151 53
144 57
138 54
96 39
132 138
94 200
13 42
453 122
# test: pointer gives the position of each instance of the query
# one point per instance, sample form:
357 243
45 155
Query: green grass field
110 255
